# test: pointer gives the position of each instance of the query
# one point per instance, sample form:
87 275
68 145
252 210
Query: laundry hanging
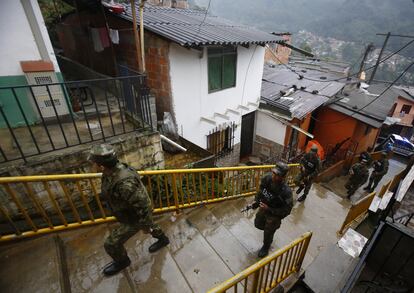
96 39
114 35
103 33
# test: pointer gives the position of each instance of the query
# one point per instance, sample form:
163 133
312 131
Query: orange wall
364 140
305 126
326 132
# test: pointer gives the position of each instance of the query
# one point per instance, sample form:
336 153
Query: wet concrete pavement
337 185
209 244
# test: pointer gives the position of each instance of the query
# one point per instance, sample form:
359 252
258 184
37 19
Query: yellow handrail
267 273
34 205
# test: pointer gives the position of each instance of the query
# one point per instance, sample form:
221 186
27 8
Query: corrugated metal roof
301 102
193 28
376 112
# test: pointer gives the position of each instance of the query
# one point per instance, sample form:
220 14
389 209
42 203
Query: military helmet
314 148
280 169
101 152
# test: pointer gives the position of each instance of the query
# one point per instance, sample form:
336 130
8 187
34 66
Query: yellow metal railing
266 274
33 205
359 210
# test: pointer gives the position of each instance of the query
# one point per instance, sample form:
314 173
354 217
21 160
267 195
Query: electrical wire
341 78
205 16
376 98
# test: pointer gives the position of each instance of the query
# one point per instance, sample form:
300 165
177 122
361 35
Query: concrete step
32 266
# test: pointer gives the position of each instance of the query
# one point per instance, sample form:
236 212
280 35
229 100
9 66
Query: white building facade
197 109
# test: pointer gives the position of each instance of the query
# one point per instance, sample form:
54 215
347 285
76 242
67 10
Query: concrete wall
140 151
408 118
192 101
269 136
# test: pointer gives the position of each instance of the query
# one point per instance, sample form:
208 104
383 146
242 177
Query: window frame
406 106
223 52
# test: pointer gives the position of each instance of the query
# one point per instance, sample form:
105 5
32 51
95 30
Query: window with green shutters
222 64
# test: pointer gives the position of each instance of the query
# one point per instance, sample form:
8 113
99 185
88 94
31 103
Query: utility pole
379 57
136 36
368 49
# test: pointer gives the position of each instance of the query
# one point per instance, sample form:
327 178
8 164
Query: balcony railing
42 118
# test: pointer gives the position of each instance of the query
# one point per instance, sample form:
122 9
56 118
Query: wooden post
136 37
141 33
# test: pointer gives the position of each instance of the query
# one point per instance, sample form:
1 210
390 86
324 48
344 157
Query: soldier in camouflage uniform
380 169
275 202
129 202
359 175
309 169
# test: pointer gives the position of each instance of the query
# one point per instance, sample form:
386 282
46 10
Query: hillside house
283 120
358 114
27 59
204 70
403 112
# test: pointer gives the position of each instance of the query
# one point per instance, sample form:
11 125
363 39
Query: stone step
32 266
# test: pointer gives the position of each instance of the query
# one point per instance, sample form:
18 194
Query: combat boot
116 266
263 251
302 198
161 242
300 189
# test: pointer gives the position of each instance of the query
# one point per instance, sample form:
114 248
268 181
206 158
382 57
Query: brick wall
282 53
156 60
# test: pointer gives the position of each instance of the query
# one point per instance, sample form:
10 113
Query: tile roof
193 28
301 101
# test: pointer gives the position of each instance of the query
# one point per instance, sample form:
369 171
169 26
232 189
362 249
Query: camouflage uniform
130 204
359 175
380 169
365 156
278 197
310 166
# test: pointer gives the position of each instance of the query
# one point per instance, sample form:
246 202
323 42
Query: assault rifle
251 206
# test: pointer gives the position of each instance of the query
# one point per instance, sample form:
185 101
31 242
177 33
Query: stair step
31 266
239 226
85 258
199 263
156 272
228 247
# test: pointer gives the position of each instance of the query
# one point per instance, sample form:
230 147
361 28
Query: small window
222 64
405 109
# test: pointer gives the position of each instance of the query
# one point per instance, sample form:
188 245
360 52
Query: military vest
121 209
274 195
310 163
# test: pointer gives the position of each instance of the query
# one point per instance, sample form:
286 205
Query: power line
341 78
205 16
380 95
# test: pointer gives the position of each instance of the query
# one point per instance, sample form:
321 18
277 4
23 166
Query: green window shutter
229 71
214 73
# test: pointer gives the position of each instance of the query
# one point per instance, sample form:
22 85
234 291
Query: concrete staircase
209 244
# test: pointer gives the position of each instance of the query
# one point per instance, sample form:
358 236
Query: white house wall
270 128
17 40
189 82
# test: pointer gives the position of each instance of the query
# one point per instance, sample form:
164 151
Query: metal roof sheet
194 28
301 102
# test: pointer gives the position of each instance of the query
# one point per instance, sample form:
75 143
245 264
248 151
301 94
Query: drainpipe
173 143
